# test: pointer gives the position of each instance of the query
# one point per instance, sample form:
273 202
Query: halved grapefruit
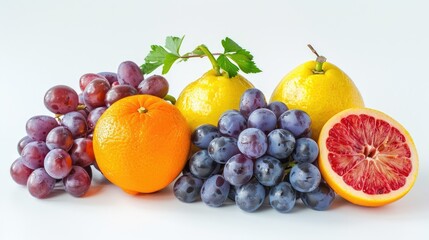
367 157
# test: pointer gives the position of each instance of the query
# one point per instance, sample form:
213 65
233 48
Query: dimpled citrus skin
204 100
320 95
141 152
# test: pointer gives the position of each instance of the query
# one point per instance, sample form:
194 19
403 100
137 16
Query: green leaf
173 44
227 65
154 59
157 54
245 53
244 61
149 67
168 62
230 46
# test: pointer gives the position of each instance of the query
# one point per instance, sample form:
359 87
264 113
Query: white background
381 45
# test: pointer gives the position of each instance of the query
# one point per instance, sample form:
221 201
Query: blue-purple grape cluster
57 150
259 153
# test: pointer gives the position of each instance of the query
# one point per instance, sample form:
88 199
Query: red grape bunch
57 151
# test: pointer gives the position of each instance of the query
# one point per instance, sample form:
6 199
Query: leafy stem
215 64
233 59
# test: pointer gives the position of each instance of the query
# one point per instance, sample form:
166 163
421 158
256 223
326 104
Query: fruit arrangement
221 139
58 150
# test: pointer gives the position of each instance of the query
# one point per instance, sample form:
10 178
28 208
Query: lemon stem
215 65
319 61
170 99
142 110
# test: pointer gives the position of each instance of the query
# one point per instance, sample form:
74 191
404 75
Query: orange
141 143
367 157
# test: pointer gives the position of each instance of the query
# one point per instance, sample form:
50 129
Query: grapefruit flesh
367 157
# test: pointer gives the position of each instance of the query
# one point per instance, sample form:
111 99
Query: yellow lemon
204 100
321 93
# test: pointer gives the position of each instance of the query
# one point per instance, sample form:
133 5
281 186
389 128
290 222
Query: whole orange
141 143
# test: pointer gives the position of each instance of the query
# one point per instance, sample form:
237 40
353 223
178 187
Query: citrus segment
367 157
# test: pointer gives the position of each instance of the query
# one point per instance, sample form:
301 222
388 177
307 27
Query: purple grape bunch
259 153
57 151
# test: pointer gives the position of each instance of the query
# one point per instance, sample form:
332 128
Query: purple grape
82 152
59 137
304 177
19 172
278 108
251 100
23 142
202 165
76 123
38 127
110 76
263 119
40 184
238 170
306 150
155 85
93 117
94 94
58 163
250 196
281 143
215 191
296 121
319 199
84 112
61 99
187 188
221 149
34 154
252 142
119 92
231 123
77 182
87 78
232 192
282 197
268 170
186 169
129 73
88 169
204 134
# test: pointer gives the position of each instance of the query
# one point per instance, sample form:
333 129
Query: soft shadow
161 195
339 202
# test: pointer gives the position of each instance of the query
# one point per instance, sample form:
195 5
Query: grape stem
170 99
288 166
80 107
319 61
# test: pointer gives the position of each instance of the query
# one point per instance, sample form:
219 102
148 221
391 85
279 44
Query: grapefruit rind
337 182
